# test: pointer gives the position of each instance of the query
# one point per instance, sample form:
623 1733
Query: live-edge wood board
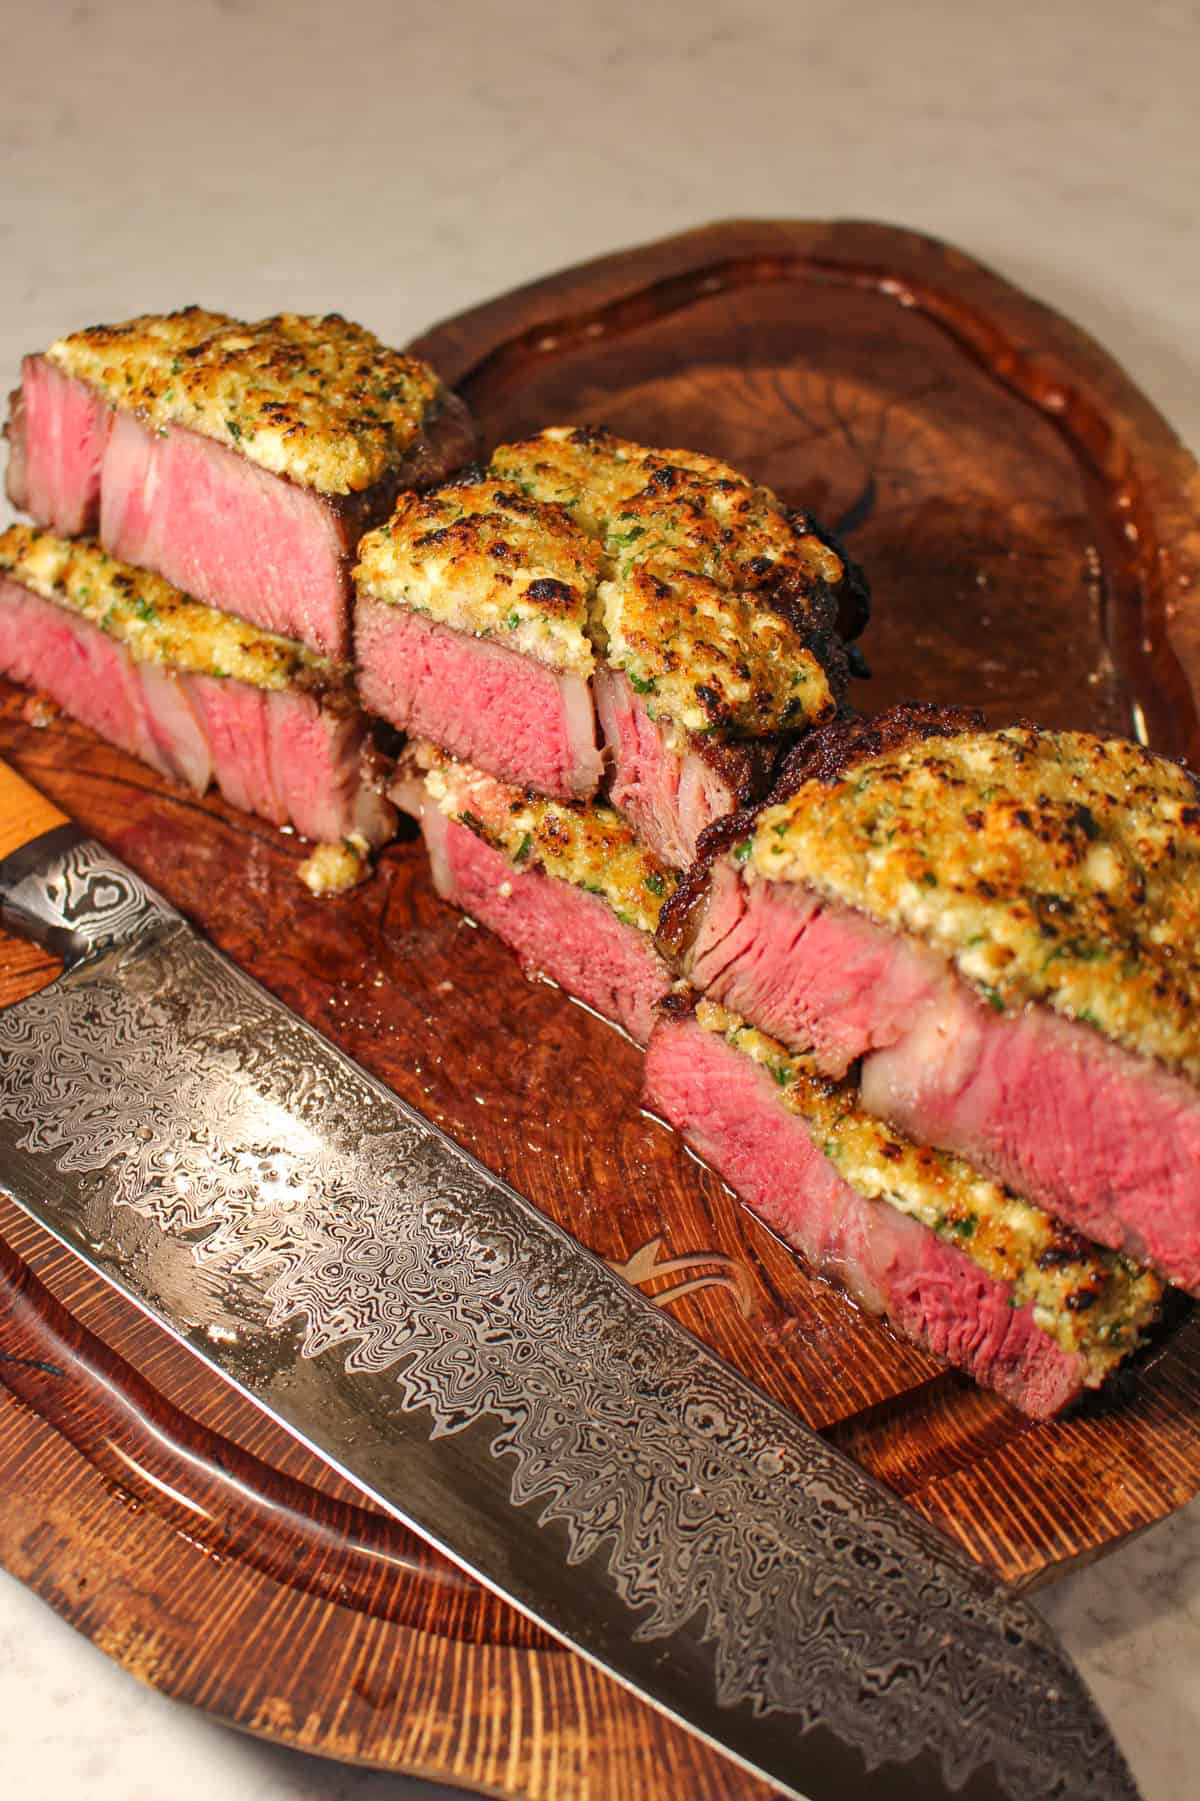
1031 527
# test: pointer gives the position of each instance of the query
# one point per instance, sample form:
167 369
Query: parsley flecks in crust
321 401
1054 867
576 547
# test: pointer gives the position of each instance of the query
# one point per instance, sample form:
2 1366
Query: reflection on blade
514 1400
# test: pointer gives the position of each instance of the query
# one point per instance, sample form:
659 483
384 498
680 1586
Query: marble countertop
398 163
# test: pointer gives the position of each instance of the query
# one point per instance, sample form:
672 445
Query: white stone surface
399 162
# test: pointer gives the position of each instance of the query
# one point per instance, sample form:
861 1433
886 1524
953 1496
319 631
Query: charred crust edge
826 753
677 1006
823 754
852 595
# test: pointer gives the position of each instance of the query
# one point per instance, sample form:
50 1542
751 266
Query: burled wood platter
1032 529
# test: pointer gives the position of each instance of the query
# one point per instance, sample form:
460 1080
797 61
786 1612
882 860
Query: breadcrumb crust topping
581 842
1051 867
576 545
1092 1302
153 620
318 400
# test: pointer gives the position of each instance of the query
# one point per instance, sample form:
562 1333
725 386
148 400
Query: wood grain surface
1032 529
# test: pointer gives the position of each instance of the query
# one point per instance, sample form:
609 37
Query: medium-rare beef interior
564 883
1003 927
956 1262
242 462
202 697
699 611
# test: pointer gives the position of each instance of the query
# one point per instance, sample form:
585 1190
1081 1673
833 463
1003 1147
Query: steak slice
523 720
57 433
565 884
1047 1030
557 930
661 587
996 1289
670 786
129 657
243 463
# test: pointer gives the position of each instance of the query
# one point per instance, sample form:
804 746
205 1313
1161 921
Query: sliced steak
683 601
124 654
565 883
672 791
243 463
521 719
57 434
556 929
1001 926
802 968
734 1113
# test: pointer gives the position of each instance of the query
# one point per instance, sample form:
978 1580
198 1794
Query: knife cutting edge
491 1383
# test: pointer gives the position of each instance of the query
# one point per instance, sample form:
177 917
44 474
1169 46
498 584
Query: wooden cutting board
1032 529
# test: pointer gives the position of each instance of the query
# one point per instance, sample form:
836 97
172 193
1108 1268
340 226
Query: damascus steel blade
498 1388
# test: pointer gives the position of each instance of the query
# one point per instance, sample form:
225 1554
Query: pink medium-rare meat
84 672
729 1111
205 519
674 596
556 929
295 755
176 726
283 755
1002 927
521 719
810 973
241 463
57 435
1104 1139
1094 1134
671 792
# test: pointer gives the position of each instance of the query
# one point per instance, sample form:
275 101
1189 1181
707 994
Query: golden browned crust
717 604
580 842
320 401
1092 1302
153 620
1053 867
480 557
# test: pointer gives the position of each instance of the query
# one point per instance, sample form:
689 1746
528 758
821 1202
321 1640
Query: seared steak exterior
242 462
1003 926
681 601
957 1264
671 792
201 697
565 884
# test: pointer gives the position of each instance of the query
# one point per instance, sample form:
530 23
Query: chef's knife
490 1382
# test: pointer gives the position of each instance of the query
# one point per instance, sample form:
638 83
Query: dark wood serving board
1032 528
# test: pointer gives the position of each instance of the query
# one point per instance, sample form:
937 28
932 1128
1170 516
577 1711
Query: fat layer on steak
956 1262
201 697
565 884
242 462
998 924
703 609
